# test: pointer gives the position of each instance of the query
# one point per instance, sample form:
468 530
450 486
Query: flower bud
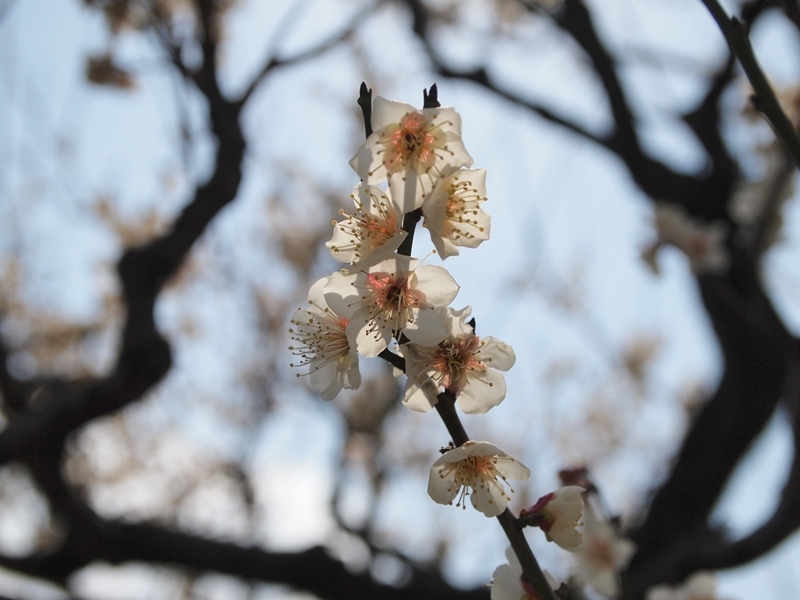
561 513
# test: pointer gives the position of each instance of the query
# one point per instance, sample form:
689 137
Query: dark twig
410 221
393 359
365 102
431 99
331 42
736 34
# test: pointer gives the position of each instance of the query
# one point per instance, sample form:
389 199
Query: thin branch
396 361
334 40
736 35
482 78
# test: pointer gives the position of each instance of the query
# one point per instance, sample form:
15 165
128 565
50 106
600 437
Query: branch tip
365 102
430 99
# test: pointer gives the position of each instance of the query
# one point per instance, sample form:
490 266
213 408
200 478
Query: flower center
474 472
411 145
368 229
461 209
453 359
393 299
321 335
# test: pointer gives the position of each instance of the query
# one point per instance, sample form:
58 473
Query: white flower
453 213
507 582
462 363
562 515
410 148
393 296
603 555
703 244
321 331
478 470
373 230
701 585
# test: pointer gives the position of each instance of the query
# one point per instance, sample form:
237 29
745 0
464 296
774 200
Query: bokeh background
104 141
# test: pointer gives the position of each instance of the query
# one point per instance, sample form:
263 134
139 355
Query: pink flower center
393 298
474 472
454 359
411 145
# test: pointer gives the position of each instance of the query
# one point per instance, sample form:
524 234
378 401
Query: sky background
565 217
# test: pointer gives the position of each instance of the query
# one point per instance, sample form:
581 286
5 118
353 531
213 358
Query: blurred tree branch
761 356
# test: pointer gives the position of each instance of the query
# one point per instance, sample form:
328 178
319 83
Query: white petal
482 394
496 354
449 120
325 381
481 231
566 536
436 284
341 296
506 584
416 398
443 246
367 162
427 328
512 469
369 343
513 561
460 453
489 499
387 112
408 189
350 377
441 488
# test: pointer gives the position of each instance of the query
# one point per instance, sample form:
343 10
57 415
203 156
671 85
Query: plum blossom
479 470
508 584
703 244
320 331
395 295
701 585
410 148
373 231
453 213
561 515
603 555
462 363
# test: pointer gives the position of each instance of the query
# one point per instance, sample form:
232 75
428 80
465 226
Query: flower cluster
384 302
381 294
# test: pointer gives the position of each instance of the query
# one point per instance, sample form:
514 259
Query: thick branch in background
674 539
